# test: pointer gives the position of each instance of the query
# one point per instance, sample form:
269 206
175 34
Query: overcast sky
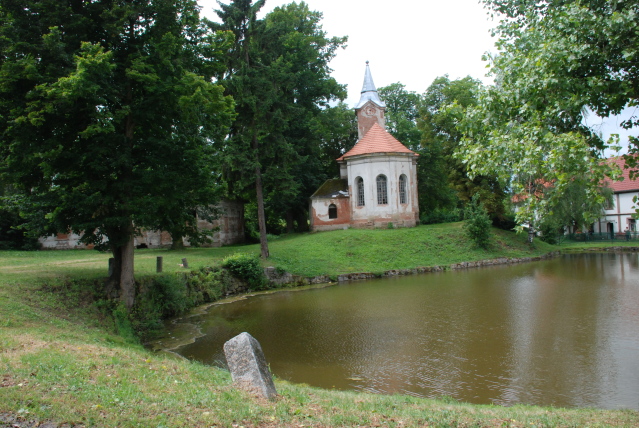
407 41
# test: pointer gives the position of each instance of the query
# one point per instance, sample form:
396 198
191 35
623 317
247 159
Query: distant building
618 216
229 229
377 187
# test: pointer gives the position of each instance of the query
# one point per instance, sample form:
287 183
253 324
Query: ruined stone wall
230 230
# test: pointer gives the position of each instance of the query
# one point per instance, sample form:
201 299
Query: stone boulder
248 366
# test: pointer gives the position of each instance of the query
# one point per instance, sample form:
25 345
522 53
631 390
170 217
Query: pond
561 332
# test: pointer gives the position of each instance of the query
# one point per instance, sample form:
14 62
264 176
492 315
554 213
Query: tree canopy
107 118
556 60
278 74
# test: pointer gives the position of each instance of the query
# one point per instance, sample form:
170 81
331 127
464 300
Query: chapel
377 187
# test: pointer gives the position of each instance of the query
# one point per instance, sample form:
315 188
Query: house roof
377 140
627 185
369 92
332 188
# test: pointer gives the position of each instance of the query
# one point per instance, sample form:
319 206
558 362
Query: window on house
632 224
360 191
403 199
609 204
332 211
382 194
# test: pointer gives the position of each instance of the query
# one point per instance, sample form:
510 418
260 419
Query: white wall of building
368 167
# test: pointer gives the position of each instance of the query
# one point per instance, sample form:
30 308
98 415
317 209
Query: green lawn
61 362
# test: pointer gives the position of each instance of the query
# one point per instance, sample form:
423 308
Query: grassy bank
60 361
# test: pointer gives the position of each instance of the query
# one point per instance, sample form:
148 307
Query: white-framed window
359 182
403 194
382 190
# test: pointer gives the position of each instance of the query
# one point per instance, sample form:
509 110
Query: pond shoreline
288 279
285 281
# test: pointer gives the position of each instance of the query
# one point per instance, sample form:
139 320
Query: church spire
370 108
369 92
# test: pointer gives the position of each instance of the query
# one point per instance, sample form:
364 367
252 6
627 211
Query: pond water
562 332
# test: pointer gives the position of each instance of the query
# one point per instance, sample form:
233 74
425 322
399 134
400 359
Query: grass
60 362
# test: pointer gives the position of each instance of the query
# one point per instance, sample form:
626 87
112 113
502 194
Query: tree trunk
127 280
122 275
302 221
290 221
261 217
177 242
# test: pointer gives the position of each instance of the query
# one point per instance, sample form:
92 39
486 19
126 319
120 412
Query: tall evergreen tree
107 114
279 77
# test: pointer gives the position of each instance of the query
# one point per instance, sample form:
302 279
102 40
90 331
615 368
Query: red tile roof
377 140
627 185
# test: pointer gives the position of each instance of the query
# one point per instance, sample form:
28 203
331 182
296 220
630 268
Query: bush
12 235
505 222
248 268
441 215
550 232
477 223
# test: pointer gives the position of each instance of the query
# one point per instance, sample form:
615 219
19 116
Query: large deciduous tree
107 115
556 60
278 74
441 139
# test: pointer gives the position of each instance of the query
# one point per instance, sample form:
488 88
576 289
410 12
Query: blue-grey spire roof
369 92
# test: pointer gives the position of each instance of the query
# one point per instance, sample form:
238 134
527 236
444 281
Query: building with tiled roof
617 218
378 176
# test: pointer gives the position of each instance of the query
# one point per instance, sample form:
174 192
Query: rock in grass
248 366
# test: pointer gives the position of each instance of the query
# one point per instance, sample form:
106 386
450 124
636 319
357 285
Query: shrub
477 223
246 267
441 215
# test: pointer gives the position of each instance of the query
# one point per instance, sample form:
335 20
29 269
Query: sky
409 41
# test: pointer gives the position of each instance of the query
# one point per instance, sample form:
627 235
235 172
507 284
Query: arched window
403 196
382 193
360 191
332 211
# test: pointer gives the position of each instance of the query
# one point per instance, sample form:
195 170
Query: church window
360 191
403 199
382 193
332 211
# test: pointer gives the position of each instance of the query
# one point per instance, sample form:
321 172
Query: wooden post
185 263
158 265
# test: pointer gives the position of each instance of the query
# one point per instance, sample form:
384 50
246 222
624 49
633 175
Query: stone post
158 265
248 366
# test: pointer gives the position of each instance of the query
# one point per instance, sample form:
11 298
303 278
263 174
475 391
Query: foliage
167 295
12 233
248 268
335 128
402 110
477 223
557 60
277 71
441 215
445 180
123 325
550 231
107 117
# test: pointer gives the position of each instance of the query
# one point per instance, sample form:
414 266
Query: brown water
563 332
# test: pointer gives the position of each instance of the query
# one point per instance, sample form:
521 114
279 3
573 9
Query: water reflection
563 332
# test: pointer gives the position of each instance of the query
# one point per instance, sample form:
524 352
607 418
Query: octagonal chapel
377 187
